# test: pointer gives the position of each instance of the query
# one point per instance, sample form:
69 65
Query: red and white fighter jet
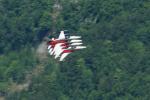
64 45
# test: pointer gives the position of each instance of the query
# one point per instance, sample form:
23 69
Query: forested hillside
115 65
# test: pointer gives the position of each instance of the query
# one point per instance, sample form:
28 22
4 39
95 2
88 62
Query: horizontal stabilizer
80 47
74 44
74 37
75 41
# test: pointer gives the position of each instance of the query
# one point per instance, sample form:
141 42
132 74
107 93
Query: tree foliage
115 65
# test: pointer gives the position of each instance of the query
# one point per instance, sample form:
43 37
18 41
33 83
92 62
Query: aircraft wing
51 50
58 51
49 47
55 49
63 56
65 53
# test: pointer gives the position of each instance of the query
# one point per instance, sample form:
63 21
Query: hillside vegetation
115 65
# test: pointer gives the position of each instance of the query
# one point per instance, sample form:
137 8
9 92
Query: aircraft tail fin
62 35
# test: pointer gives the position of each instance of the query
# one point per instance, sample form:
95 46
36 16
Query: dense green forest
115 65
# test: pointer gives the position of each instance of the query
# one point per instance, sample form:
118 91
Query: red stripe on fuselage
54 42
67 51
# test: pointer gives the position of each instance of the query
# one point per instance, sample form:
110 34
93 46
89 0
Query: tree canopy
115 65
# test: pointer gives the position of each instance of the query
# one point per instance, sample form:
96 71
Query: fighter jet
64 45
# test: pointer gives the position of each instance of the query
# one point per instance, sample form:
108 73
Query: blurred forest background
115 65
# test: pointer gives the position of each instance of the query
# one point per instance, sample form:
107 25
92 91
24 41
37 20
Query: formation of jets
64 45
